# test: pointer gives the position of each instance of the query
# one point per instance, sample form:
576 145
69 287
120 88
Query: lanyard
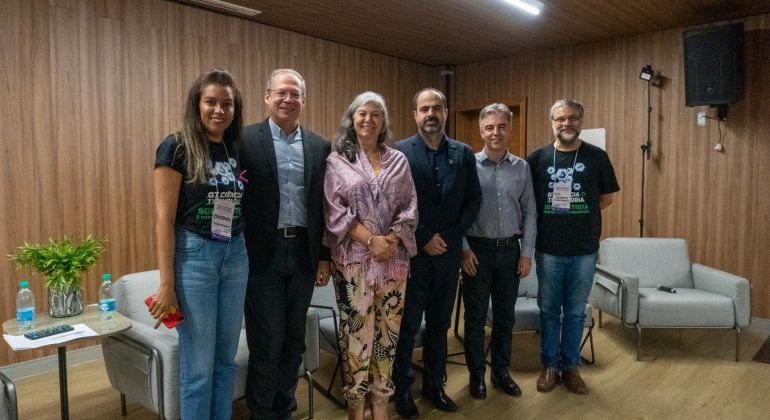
235 181
573 163
222 214
562 190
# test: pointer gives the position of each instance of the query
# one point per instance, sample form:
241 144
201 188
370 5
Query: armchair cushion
527 314
685 308
654 261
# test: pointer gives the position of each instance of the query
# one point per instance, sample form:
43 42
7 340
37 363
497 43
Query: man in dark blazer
448 199
284 165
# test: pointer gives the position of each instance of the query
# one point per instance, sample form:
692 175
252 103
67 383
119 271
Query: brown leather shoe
574 382
547 380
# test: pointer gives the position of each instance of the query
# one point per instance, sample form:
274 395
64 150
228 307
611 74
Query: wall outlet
701 119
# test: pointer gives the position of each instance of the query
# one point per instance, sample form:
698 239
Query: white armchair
143 363
630 271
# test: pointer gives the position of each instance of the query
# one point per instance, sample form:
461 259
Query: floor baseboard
760 324
51 363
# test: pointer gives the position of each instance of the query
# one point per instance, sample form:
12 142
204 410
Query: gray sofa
143 363
630 271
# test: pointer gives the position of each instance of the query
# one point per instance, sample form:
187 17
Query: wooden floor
686 374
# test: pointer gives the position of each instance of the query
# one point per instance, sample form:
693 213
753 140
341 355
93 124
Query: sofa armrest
8 404
311 358
138 359
720 282
616 293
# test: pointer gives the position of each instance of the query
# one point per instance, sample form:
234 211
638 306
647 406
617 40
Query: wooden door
467 126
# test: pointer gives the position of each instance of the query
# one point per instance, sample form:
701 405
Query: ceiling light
530 6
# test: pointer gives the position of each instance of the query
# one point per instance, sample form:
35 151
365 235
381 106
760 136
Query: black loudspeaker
713 65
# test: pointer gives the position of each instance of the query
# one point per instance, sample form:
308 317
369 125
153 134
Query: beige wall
717 201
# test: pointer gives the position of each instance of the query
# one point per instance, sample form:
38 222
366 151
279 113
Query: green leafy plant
60 262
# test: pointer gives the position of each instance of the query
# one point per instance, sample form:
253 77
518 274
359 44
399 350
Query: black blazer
262 198
453 214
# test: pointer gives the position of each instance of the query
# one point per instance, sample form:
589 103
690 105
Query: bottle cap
106 276
24 283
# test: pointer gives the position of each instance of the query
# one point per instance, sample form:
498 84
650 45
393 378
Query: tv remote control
35 335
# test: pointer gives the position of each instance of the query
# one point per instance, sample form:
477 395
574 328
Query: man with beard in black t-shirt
573 182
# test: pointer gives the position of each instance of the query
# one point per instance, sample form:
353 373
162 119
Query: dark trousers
496 275
277 300
431 290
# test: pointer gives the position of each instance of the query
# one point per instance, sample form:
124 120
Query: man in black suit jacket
448 199
283 212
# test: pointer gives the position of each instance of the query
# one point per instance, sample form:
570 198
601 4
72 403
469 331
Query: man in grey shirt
493 259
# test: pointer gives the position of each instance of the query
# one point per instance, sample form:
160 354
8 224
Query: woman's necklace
372 154
374 160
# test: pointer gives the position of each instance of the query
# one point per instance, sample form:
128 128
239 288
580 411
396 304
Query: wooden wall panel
716 201
91 87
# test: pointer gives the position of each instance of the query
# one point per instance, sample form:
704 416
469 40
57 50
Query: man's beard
432 128
566 139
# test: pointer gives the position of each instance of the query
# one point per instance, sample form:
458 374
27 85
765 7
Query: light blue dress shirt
508 202
290 162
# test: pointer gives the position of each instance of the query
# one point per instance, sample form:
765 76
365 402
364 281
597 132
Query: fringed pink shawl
383 203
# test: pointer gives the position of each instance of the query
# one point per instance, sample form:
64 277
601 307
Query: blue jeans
210 285
564 284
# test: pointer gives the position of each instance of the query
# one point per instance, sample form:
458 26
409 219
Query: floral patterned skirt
370 319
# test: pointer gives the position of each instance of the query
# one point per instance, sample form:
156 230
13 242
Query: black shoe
439 399
506 383
477 387
405 406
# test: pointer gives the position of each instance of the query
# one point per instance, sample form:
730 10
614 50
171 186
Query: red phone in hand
172 319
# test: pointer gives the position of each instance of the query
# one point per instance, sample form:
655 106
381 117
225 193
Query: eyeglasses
295 96
573 119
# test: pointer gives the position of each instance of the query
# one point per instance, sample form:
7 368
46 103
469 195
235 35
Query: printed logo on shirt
223 175
577 200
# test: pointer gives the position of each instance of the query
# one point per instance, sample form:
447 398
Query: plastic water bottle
25 306
106 301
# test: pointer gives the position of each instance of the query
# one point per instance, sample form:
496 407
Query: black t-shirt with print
196 201
577 231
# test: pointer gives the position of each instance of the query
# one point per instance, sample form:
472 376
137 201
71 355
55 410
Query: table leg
63 399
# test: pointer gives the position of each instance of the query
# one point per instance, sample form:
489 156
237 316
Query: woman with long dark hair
371 216
201 252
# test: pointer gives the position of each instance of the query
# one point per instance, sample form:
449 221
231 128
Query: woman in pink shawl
371 214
